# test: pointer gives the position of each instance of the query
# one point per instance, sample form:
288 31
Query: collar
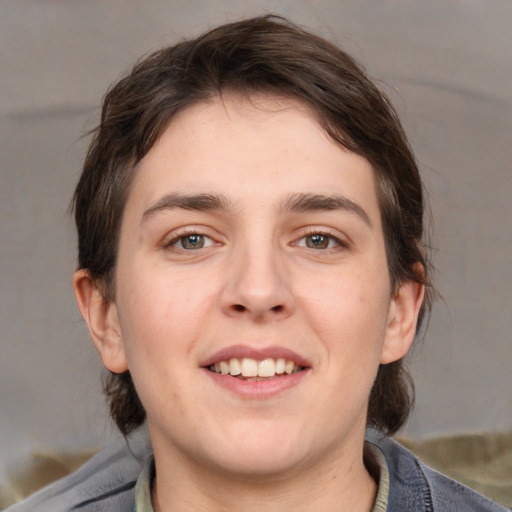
144 483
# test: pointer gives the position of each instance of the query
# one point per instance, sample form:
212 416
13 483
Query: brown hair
265 54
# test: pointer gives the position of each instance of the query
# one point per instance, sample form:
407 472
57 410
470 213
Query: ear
402 321
101 317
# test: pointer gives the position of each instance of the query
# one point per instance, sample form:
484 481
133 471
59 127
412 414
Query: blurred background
446 64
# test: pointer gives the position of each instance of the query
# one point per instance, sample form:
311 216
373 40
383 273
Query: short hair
268 55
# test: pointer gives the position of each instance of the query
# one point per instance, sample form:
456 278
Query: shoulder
416 486
105 482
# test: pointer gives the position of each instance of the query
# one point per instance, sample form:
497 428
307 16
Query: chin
257 464
260 454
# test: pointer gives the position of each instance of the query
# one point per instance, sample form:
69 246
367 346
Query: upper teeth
248 367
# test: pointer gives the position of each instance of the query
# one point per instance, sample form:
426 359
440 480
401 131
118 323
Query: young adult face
249 236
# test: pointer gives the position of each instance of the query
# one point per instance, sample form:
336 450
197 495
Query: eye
317 241
320 241
191 241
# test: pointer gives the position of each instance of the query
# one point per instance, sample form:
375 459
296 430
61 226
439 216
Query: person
253 272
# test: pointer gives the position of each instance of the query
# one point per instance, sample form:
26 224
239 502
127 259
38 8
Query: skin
258 282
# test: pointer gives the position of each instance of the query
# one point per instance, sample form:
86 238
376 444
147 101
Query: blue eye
320 241
317 241
192 241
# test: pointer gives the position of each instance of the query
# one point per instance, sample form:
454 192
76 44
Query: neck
337 483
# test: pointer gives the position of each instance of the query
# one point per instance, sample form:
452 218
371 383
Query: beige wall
447 64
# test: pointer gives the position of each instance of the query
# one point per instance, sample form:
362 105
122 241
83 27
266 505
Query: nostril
240 308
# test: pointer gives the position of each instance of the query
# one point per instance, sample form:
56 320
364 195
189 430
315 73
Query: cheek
349 313
161 317
346 301
161 311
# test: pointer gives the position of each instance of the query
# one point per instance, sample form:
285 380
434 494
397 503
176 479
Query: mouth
253 370
256 373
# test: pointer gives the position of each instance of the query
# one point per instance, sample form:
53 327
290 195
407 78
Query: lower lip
257 388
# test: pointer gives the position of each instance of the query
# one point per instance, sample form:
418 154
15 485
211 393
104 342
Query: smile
252 369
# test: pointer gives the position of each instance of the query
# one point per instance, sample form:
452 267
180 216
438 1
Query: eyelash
333 242
171 244
338 243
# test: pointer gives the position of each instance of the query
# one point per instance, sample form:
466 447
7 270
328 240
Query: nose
257 287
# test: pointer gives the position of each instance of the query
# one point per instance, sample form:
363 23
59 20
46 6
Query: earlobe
101 317
402 321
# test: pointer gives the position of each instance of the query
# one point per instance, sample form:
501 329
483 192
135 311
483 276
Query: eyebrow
315 202
194 202
294 203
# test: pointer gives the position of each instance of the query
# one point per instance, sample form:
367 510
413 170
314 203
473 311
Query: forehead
261 144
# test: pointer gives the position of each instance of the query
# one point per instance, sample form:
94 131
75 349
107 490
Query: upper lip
241 351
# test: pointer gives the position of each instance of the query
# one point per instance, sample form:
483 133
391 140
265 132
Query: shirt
107 483
144 482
